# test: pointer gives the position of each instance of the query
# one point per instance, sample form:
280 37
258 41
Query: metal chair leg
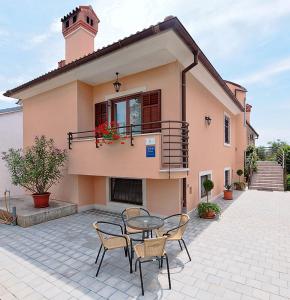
98 253
101 262
180 245
186 249
141 278
161 262
132 250
136 264
168 271
125 250
130 259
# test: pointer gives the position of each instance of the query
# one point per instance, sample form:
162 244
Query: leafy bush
240 185
38 167
204 207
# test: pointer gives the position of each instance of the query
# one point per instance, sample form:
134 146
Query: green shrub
205 207
241 186
38 167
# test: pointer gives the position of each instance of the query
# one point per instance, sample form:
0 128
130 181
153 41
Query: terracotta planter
209 215
228 195
41 200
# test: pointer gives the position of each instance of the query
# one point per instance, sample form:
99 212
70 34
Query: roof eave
172 23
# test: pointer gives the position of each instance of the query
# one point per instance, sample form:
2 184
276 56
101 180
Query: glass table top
145 222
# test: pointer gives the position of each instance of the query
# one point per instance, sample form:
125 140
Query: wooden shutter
101 112
151 111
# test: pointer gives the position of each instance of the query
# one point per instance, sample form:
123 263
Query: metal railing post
70 138
131 134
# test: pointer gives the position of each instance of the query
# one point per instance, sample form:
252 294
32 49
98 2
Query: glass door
121 115
128 111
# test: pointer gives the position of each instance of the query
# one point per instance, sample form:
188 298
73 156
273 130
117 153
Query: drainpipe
183 115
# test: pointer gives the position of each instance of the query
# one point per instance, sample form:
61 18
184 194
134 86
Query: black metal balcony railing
174 139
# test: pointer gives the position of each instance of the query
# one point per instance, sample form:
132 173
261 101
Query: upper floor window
142 110
227 130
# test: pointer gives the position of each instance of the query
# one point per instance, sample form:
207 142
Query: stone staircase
269 176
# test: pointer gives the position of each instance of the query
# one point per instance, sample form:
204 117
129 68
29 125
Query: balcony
156 150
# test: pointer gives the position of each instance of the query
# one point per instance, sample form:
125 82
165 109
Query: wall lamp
207 120
117 84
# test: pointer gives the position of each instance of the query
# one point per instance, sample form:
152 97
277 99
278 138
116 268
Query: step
266 162
279 171
268 176
269 167
266 188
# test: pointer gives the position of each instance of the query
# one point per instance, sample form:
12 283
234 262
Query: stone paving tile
244 255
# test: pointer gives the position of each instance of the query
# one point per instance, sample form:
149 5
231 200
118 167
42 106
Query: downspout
183 117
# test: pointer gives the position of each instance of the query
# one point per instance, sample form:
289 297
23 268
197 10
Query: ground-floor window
126 190
227 176
203 176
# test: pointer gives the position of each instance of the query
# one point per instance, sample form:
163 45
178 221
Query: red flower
122 143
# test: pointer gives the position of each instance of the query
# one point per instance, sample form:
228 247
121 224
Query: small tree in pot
240 185
228 192
208 210
36 168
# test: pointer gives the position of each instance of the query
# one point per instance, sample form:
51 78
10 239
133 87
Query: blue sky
247 41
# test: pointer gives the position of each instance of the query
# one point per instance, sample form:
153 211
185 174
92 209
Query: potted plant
228 192
240 185
208 210
37 168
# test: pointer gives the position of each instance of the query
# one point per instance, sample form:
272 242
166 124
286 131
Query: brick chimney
248 112
79 29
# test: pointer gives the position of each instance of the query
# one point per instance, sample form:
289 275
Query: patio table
145 224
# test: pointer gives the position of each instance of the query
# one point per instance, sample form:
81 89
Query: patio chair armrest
110 223
173 229
176 215
124 236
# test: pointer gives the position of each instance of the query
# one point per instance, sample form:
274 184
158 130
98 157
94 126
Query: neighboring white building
11 136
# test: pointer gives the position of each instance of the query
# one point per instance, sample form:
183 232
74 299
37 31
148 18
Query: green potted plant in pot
240 185
37 168
208 210
228 192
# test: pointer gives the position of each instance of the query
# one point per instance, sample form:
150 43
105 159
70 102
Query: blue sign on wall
150 151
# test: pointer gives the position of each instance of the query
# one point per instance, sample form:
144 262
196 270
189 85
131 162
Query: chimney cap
169 17
248 107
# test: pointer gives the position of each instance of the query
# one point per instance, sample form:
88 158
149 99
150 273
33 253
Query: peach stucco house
188 124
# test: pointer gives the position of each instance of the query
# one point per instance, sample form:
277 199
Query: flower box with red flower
107 133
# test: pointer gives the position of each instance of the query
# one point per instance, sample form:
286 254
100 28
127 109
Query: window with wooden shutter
101 113
151 111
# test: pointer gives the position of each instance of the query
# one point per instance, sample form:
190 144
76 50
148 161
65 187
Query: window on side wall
227 130
227 176
203 176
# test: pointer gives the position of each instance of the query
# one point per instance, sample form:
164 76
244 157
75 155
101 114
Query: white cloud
55 26
271 134
38 39
268 72
221 27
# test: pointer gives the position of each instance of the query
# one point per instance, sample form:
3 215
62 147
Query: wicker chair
111 241
175 233
149 251
132 212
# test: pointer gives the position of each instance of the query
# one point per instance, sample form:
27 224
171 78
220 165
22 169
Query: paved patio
243 255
